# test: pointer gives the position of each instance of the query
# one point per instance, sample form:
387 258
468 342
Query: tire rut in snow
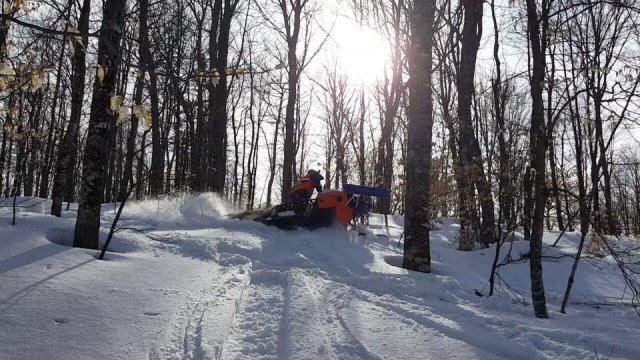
201 328
342 343
256 333
285 314
304 320
359 312
389 335
463 330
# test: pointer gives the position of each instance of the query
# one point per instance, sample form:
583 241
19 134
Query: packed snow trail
184 282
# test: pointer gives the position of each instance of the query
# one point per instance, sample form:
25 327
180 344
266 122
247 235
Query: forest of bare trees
506 115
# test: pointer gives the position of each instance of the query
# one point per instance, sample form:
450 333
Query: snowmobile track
254 334
195 333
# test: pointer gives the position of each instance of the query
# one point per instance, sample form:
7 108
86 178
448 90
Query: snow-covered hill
183 282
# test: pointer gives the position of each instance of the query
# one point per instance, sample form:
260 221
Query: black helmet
314 172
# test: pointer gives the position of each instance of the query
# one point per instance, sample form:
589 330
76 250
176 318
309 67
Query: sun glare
362 53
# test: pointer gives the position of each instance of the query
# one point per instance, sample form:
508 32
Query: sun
361 52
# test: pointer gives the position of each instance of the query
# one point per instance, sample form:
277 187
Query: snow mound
25 204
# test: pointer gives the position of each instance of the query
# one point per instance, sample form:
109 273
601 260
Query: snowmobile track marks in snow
256 333
343 345
201 328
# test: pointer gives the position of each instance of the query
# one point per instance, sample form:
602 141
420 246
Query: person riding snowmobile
303 190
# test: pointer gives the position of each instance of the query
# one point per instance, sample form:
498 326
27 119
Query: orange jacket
304 183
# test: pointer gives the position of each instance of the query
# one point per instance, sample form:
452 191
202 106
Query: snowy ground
183 282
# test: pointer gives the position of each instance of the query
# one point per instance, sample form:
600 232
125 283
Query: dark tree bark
48 155
218 95
156 176
68 151
20 156
101 121
505 194
197 171
554 185
274 145
538 149
391 92
472 174
417 202
32 147
292 24
361 157
127 177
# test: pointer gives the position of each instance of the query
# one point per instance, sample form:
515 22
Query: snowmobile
330 208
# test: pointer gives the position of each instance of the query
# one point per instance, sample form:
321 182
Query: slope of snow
184 282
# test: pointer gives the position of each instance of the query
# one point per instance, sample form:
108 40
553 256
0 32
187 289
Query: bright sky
360 50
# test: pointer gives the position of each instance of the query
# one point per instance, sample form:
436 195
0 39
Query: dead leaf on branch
123 112
100 73
115 103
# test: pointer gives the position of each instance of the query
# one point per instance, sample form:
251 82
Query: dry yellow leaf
36 81
20 4
148 121
100 73
72 48
6 69
123 112
139 111
115 103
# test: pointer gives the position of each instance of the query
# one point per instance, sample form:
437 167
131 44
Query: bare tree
63 183
416 249
98 143
538 149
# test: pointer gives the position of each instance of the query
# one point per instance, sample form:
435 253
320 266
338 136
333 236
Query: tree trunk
156 176
289 124
416 248
218 96
274 145
538 149
293 31
68 151
101 121
472 171
48 155
499 101
362 161
127 177
197 179
554 184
